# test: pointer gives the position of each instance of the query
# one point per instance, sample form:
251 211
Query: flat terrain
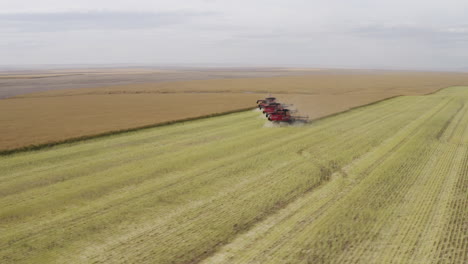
33 121
57 115
385 183
17 82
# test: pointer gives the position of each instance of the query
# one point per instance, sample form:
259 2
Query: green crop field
385 183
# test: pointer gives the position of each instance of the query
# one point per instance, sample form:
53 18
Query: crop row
375 212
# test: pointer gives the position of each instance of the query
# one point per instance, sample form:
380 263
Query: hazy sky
411 34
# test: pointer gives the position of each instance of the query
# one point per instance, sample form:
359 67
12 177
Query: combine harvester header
278 112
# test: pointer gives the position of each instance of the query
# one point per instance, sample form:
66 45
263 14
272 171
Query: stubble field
385 183
58 115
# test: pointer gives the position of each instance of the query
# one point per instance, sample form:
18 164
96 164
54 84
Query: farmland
32 121
384 183
88 109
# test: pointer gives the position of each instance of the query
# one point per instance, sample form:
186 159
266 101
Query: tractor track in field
85 217
103 211
286 212
313 186
374 121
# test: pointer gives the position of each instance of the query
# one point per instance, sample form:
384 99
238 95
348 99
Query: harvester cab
264 102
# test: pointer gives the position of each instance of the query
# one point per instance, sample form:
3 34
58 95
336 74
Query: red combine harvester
284 115
277 112
280 116
264 102
271 108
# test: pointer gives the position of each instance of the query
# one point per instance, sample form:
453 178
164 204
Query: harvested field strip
379 183
338 182
275 242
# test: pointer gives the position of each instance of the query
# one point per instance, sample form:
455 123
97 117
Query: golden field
32 121
51 116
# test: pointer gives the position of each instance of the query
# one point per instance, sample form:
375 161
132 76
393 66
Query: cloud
428 34
391 31
94 20
333 33
458 30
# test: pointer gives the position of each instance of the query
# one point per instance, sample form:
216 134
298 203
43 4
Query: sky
391 34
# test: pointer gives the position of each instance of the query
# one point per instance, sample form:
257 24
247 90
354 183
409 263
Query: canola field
384 183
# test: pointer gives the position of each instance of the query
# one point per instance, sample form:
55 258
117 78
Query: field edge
50 144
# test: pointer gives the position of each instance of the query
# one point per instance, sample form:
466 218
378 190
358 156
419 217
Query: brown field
40 120
15 82
49 116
